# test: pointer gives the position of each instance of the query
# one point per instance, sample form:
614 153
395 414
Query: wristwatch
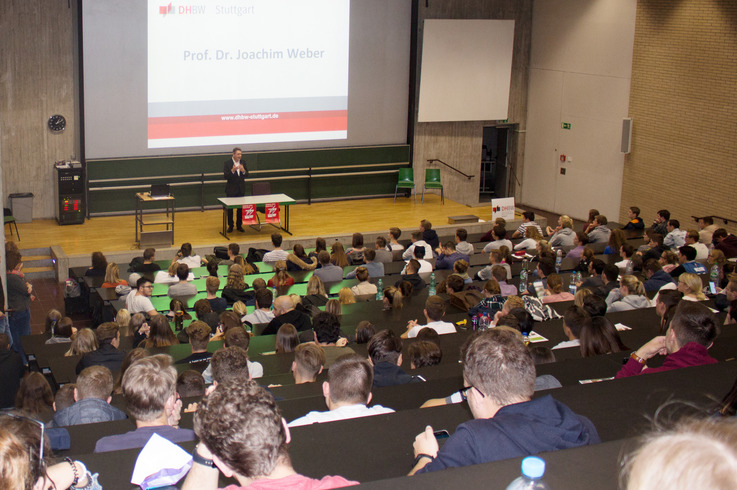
200 460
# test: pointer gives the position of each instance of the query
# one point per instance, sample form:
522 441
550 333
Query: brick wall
684 103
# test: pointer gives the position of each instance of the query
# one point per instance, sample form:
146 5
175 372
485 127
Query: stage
115 235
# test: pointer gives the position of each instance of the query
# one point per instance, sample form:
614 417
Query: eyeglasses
41 465
464 392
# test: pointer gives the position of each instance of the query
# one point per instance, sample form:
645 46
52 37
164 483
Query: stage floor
117 233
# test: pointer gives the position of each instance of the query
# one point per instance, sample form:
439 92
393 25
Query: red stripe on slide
286 122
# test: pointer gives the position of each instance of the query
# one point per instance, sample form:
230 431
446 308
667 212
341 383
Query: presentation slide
225 72
186 77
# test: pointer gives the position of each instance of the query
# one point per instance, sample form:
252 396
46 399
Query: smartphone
712 288
441 435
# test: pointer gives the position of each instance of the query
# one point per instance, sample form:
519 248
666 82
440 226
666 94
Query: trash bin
21 205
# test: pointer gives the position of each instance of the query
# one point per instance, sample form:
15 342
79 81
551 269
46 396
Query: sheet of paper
621 327
536 337
160 463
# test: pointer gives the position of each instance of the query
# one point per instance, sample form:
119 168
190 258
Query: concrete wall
580 71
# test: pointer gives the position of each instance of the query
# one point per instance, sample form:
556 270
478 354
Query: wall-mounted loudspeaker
626 135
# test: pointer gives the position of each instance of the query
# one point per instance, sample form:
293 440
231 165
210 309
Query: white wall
580 70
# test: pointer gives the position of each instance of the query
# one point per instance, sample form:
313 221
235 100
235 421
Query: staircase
37 263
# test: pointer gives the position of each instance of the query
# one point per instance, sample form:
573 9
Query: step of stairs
37 263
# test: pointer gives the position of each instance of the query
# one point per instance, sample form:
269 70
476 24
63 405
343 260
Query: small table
239 202
168 201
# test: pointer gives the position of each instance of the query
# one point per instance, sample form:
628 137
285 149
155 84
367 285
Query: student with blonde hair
691 287
630 295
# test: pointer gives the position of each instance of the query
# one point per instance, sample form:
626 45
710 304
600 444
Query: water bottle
714 277
533 469
558 260
487 321
432 291
273 294
379 290
178 320
522 281
474 323
572 288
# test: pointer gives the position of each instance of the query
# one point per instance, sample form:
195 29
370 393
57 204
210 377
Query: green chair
406 181
432 181
10 222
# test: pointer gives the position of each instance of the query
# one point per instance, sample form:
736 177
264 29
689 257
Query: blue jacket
521 429
657 281
87 411
446 261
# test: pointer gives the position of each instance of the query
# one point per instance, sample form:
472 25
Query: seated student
616 240
262 313
281 278
600 233
692 331
675 237
363 286
462 246
139 299
419 256
198 333
107 354
327 271
278 253
574 319
382 255
555 293
669 261
385 353
563 235
212 286
692 454
298 260
338 256
355 253
654 248
149 387
635 222
434 312
594 281
146 263
448 255
309 361
692 240
688 263
424 353
626 253
499 273
660 222
528 220
62 331
417 241
372 264
545 267
630 295
412 276
493 301
182 288
498 239
284 312
328 335
99 265
243 435
237 337
428 234
599 336
233 251
532 237
92 395
185 256
168 276
190 384
706 230
393 236
496 257
112 277
609 277
579 243
690 285
499 376
347 393
235 287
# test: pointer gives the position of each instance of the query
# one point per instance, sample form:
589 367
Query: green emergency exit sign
565 125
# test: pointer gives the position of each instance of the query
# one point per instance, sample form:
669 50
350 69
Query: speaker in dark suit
235 173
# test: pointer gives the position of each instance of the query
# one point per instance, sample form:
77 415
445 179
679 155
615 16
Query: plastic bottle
474 323
533 469
432 290
379 290
523 278
572 288
714 277
558 260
